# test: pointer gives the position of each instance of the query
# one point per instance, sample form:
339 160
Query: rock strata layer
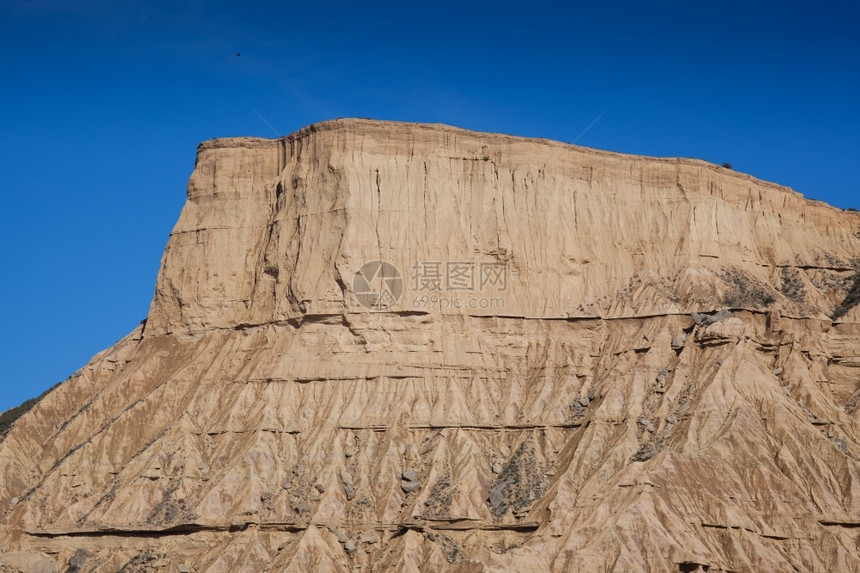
571 360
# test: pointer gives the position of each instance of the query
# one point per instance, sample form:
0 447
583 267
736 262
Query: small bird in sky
238 54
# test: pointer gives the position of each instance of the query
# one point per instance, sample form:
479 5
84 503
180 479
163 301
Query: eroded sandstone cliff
588 362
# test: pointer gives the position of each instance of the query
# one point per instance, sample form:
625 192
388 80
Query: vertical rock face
571 360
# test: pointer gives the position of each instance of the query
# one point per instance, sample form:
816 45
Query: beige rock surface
582 408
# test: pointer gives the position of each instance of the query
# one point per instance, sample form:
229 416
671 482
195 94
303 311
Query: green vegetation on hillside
8 417
851 300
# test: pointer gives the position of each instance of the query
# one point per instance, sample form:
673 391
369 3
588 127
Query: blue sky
103 104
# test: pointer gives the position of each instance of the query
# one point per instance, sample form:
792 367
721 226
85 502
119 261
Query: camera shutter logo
378 285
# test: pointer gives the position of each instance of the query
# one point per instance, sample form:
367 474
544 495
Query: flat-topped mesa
547 388
276 229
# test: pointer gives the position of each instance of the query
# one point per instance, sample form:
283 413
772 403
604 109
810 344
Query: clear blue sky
103 104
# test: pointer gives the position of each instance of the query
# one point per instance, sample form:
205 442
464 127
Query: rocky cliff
567 360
